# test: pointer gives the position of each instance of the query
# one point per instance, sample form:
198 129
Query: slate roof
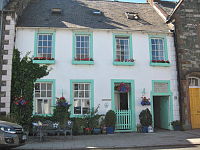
167 6
78 14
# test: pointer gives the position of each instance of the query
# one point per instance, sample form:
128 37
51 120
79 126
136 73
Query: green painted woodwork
53 47
44 61
130 48
124 115
90 34
170 94
164 113
165 51
72 96
53 102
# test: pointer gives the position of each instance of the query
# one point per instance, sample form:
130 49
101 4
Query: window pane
37 93
87 94
75 93
49 86
77 106
43 86
75 86
44 37
81 94
39 106
49 37
49 93
43 94
46 106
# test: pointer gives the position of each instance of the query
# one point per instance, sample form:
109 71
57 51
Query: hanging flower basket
145 101
122 87
20 101
62 102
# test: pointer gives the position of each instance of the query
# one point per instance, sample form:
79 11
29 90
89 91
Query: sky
142 1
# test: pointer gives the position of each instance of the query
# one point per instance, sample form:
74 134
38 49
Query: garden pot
87 131
110 130
145 129
96 131
177 128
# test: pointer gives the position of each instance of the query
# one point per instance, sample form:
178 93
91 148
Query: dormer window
56 10
132 15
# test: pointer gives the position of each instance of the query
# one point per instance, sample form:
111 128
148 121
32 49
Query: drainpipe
178 75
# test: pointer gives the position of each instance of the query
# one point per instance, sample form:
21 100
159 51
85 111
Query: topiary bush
145 117
110 119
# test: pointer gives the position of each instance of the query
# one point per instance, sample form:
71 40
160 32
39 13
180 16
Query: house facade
10 10
187 33
102 54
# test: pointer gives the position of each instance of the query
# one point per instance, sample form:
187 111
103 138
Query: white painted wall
103 70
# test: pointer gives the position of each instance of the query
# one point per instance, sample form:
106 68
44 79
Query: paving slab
117 140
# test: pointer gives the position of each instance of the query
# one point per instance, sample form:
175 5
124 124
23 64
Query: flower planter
87 131
177 128
96 131
145 129
110 130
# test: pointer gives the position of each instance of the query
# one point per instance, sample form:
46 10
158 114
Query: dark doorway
123 101
161 112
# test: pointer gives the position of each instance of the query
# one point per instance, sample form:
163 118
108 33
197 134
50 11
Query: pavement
160 138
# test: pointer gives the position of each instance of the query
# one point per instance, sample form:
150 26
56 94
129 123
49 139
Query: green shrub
145 117
110 119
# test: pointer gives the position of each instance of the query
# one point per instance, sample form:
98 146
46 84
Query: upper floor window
82 52
123 50
44 47
158 50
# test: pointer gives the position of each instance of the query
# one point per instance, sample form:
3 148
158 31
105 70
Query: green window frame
158 51
72 97
82 43
53 97
42 41
122 43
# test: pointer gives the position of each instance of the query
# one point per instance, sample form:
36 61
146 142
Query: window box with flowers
44 60
145 101
126 62
86 61
160 63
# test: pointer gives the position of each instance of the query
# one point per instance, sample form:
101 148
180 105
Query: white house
93 48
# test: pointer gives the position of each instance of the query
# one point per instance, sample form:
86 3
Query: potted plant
145 120
110 120
176 125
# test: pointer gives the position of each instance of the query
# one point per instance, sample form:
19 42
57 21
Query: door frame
171 108
131 98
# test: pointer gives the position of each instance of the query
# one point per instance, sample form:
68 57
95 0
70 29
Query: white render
103 69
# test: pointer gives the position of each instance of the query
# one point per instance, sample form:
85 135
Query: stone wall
12 11
187 27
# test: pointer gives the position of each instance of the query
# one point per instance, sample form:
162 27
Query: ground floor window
43 97
81 98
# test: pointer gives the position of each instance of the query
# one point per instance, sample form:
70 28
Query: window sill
74 62
160 64
44 115
123 63
44 61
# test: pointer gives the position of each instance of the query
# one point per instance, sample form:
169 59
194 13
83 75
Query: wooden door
195 107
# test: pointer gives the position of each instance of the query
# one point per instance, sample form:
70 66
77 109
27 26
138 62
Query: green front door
164 112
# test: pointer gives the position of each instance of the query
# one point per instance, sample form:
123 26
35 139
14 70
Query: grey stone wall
187 29
12 11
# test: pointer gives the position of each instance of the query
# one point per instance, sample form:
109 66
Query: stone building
186 18
10 10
